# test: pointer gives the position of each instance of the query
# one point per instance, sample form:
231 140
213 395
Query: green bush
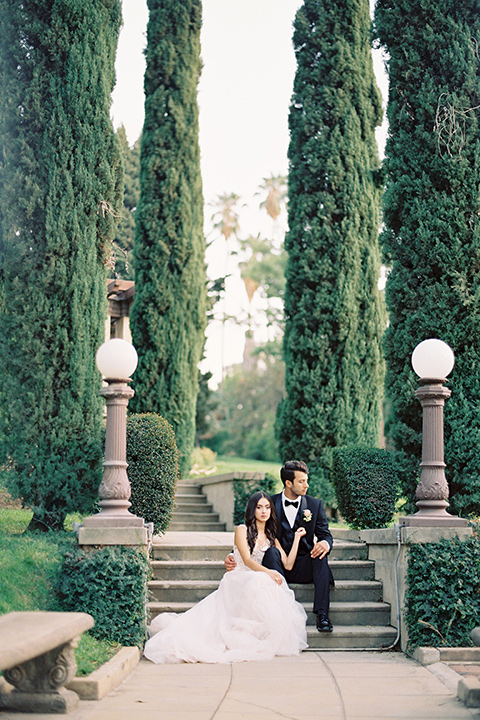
366 485
152 458
243 489
110 584
442 597
319 482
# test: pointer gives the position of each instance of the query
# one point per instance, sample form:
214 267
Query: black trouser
305 570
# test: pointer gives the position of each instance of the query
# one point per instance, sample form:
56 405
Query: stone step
352 637
206 553
168 570
207 526
352 569
192 507
187 570
190 569
341 614
200 516
163 550
193 590
346 591
184 487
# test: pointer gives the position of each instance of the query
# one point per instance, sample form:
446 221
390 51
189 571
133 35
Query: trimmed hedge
110 583
442 597
366 485
244 489
152 458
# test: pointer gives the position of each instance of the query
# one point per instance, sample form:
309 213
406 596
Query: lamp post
432 360
115 524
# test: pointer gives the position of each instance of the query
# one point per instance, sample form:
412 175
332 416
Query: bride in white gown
252 616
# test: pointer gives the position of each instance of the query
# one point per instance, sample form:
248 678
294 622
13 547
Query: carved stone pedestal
38 684
37 659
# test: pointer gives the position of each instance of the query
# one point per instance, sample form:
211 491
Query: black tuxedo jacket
316 527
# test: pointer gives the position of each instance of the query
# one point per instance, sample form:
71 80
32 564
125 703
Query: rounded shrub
110 583
366 485
152 458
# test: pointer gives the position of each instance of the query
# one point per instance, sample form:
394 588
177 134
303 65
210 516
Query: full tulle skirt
249 617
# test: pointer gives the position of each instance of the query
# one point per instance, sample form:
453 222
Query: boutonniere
307 515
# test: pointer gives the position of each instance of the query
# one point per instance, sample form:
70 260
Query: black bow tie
291 502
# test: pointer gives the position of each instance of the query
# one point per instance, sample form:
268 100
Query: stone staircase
187 567
192 513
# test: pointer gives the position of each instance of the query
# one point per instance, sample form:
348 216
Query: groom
294 509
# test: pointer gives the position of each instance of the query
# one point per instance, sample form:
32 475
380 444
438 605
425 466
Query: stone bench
37 659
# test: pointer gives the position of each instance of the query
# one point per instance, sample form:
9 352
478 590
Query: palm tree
275 188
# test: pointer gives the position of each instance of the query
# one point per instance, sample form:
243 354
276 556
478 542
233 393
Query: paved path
313 686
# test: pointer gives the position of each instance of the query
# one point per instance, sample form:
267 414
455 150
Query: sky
243 95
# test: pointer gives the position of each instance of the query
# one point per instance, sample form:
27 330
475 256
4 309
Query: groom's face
299 485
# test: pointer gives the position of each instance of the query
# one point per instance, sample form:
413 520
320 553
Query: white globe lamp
433 359
116 359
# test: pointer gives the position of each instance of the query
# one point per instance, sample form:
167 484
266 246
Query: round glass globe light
433 359
116 359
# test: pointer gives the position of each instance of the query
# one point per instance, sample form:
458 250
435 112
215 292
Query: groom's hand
230 563
320 549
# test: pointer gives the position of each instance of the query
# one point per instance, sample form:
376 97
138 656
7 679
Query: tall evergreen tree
169 312
432 216
121 264
60 180
333 308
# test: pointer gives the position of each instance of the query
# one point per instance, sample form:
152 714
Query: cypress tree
122 257
169 312
432 225
333 309
60 181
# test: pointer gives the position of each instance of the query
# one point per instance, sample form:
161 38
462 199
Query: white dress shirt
290 511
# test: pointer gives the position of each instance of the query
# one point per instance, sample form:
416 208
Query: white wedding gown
249 617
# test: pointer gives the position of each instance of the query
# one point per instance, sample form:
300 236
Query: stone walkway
313 686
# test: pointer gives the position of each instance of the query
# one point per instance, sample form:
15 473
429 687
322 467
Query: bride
252 616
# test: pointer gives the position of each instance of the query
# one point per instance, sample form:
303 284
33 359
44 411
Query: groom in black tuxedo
296 509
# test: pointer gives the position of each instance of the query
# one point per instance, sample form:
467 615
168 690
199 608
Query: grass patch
13 520
29 566
91 653
223 464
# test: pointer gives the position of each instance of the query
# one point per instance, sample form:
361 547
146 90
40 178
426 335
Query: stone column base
56 703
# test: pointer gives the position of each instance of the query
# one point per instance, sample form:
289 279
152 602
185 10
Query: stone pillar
114 524
432 489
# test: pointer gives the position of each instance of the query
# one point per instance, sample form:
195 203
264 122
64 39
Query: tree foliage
152 458
431 239
169 312
122 256
243 422
60 180
333 308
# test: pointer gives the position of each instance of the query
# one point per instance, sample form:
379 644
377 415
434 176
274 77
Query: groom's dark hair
287 472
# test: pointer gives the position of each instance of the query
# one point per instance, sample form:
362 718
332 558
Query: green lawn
206 463
29 564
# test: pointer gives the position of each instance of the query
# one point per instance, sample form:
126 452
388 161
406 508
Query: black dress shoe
323 623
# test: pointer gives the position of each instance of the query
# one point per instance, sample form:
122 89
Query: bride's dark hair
270 525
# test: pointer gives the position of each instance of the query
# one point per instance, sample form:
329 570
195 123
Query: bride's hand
301 531
276 577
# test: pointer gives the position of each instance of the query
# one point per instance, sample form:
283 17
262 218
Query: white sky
244 95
